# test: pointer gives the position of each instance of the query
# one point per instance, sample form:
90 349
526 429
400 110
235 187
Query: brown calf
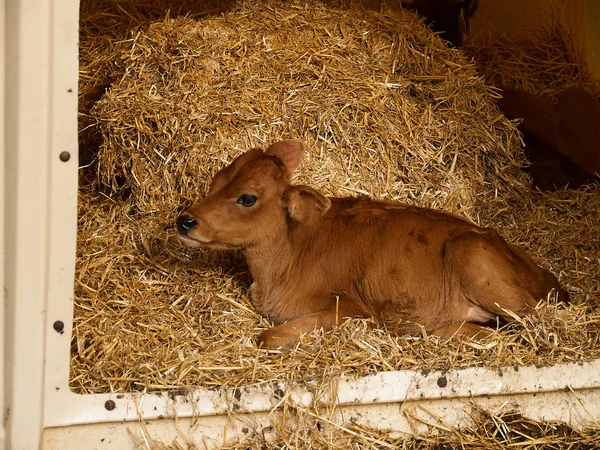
316 260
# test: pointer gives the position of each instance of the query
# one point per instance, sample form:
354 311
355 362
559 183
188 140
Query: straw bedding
385 109
507 429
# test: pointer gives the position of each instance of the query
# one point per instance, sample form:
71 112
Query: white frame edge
39 122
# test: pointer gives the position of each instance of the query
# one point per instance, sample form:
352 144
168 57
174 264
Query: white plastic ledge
381 388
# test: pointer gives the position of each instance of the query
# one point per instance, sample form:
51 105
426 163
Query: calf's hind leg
493 277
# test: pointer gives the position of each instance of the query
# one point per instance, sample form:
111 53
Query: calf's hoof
276 338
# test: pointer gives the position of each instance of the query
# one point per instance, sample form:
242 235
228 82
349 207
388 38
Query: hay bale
385 109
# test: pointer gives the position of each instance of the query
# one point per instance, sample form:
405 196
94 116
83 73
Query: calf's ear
290 152
304 204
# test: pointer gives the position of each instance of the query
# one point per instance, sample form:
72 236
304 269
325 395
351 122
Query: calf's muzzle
185 223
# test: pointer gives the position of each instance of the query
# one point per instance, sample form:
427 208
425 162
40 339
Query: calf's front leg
288 334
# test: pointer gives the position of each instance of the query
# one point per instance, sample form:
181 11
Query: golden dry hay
543 60
385 109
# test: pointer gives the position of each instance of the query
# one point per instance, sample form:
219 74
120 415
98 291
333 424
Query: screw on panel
65 156
110 405
59 326
237 393
442 382
278 393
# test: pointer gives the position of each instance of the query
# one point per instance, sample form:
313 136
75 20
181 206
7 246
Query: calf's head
252 200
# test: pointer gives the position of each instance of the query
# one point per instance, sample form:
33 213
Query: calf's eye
246 200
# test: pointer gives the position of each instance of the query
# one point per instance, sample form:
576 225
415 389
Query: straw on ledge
306 429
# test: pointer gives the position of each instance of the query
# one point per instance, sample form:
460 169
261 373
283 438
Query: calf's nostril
188 224
185 223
